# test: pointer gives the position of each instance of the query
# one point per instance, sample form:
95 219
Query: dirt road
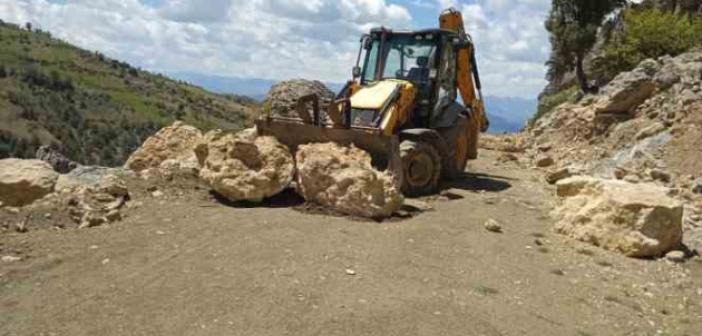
192 266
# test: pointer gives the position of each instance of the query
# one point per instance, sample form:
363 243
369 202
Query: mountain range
507 114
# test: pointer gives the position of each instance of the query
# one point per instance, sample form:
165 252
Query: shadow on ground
286 199
480 182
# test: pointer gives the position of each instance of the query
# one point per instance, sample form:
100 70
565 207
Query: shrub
549 103
649 33
3 71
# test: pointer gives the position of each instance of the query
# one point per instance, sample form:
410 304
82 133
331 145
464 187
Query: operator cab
424 58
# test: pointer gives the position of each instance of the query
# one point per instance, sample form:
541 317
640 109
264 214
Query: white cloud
279 39
273 39
511 42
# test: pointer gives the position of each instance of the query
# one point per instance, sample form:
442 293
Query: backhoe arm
468 78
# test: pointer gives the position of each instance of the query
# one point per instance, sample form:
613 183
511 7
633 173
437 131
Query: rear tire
457 141
421 168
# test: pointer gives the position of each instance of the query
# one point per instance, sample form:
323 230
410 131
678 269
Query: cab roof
436 31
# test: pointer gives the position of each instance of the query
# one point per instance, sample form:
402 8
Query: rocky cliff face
645 126
615 25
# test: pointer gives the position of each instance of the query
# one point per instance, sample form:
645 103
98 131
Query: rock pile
94 204
25 181
639 110
282 98
243 166
342 178
58 161
170 150
637 220
644 127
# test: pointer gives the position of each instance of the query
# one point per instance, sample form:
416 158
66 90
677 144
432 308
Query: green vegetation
93 109
573 25
649 33
630 35
549 103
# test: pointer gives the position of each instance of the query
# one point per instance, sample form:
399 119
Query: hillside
640 30
94 109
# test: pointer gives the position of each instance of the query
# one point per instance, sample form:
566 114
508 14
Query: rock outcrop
283 97
93 195
243 166
87 176
637 220
58 161
25 181
343 179
639 121
170 148
629 89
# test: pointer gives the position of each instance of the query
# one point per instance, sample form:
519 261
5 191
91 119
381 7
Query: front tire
421 168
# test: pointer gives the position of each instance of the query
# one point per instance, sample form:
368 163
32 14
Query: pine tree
573 25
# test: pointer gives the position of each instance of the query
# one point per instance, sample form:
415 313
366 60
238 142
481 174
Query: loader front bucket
383 149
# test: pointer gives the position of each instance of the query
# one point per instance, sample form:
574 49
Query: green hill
93 109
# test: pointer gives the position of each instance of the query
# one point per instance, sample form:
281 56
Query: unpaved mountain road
191 266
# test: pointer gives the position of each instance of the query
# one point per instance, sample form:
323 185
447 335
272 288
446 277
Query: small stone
105 261
350 272
544 161
12 210
650 131
493 226
661 175
417 204
113 216
620 173
47 215
545 147
160 233
10 259
676 256
135 204
157 193
556 175
697 186
507 157
632 179
91 220
21 227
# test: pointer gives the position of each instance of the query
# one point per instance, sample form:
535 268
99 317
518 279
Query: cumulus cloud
249 38
512 44
278 39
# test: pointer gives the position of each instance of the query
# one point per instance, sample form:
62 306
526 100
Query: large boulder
243 166
637 220
58 161
282 98
629 89
25 181
174 143
343 179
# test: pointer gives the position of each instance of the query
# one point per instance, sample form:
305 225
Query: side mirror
367 43
356 72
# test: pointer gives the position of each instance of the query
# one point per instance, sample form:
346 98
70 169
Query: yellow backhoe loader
402 106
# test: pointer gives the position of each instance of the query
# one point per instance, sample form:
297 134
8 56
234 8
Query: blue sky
281 39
